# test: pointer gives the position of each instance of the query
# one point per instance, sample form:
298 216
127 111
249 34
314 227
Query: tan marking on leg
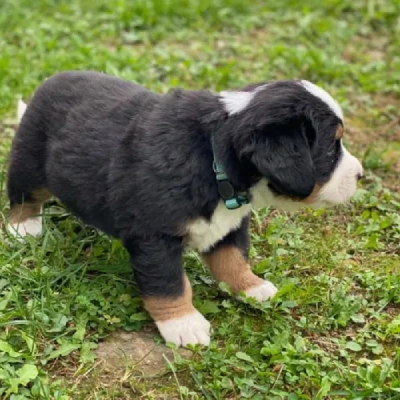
21 212
164 308
228 265
41 195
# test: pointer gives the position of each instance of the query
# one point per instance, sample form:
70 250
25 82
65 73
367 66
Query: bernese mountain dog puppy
182 170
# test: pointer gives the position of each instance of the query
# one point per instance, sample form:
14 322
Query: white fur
343 182
262 196
324 96
235 102
262 292
203 234
32 226
339 189
190 329
21 108
342 185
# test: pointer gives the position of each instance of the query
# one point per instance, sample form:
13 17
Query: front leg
227 261
166 290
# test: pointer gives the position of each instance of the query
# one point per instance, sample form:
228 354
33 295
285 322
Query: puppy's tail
21 108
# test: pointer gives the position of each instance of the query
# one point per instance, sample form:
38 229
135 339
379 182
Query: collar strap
231 198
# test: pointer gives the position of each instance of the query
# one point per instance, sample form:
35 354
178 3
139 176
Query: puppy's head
289 135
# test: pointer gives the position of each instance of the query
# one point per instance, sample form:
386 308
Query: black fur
138 165
286 135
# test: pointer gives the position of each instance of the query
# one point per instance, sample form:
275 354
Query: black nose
359 176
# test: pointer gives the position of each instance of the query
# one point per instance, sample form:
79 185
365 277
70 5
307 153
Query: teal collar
231 198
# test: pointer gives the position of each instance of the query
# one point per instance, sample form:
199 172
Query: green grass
333 330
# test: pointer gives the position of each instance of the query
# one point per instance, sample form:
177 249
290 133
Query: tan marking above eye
339 132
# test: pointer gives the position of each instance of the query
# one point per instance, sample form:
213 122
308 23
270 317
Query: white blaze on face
343 182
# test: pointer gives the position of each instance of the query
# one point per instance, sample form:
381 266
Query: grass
333 330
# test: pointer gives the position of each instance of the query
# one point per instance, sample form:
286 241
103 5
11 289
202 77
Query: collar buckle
232 199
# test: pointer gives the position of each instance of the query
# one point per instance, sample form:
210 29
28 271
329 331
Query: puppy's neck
204 112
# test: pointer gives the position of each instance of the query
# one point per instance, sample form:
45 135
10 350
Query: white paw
192 328
32 226
262 292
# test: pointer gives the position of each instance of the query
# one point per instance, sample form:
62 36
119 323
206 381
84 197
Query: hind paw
32 227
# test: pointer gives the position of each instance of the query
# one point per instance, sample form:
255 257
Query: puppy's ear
282 154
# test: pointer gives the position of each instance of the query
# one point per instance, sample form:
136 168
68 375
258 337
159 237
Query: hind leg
26 181
25 217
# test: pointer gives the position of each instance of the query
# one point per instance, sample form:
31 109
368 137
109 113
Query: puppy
182 170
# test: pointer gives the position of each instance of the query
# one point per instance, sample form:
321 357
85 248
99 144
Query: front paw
191 329
266 290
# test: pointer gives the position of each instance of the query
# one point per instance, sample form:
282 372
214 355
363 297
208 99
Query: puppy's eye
339 132
334 150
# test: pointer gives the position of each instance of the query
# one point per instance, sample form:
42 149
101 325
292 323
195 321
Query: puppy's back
75 99
68 136
66 90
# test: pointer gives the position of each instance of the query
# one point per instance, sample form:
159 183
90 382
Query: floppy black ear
282 154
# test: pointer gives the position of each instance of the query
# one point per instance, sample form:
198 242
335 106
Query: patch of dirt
363 126
373 48
136 350
377 132
393 310
127 366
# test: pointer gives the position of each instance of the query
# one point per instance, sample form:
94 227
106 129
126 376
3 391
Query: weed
333 330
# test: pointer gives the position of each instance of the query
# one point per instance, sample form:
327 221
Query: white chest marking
203 234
